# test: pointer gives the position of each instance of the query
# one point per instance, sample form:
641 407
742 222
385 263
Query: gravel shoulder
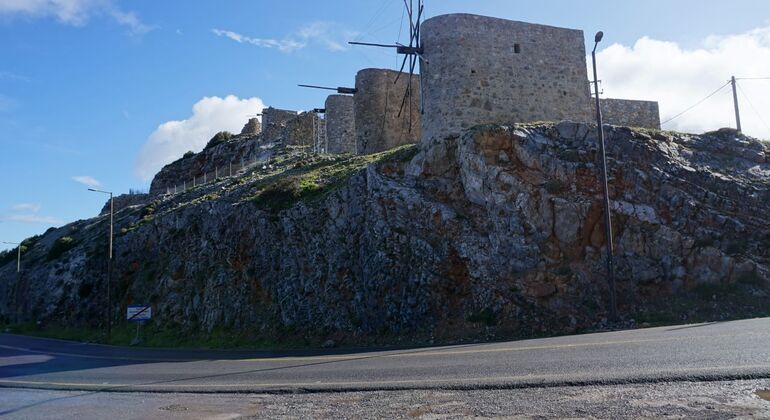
730 399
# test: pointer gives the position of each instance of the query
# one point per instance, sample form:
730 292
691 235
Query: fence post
216 173
184 185
231 169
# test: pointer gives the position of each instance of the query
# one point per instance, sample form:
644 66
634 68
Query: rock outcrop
497 232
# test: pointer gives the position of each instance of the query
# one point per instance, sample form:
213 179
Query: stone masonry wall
300 130
340 124
489 70
274 121
629 113
252 127
376 107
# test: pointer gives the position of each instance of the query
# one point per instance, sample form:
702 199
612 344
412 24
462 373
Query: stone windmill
413 54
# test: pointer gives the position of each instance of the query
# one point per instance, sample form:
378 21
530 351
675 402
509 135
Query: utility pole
735 101
606 198
109 263
18 279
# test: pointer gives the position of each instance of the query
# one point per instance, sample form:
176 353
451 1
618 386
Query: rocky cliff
497 232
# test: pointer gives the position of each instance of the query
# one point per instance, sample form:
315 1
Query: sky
103 93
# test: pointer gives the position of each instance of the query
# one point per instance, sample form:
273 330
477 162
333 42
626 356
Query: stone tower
340 124
376 105
482 70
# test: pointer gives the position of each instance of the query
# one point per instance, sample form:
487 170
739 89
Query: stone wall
252 127
376 108
274 121
340 124
489 70
629 113
301 130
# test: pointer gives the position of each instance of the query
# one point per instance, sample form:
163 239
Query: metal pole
735 101
109 261
605 188
109 273
18 280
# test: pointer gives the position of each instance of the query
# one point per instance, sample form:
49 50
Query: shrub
486 316
189 154
60 246
219 138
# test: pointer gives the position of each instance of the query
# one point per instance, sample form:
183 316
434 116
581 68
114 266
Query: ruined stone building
274 122
252 127
629 113
377 102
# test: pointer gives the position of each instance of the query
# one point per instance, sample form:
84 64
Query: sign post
138 314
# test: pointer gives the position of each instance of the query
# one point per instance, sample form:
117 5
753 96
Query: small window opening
516 48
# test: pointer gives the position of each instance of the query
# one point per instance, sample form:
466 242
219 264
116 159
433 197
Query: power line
696 104
752 78
754 108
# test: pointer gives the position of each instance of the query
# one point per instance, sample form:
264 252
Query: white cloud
33 218
74 12
678 78
31 207
28 213
209 116
328 35
285 45
87 181
10 76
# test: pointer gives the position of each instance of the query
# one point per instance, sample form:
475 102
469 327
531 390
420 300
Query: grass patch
707 291
314 179
486 316
59 247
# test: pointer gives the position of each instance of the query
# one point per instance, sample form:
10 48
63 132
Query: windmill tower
387 102
413 55
338 134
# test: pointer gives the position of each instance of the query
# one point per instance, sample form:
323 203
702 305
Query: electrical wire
753 107
696 104
385 4
752 78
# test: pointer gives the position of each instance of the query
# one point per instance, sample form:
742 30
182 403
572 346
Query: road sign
136 313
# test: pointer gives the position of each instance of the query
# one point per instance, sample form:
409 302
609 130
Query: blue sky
85 83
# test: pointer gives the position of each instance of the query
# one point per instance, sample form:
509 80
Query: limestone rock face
498 231
196 168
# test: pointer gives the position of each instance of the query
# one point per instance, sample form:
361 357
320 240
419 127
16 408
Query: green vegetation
188 154
123 334
707 291
219 138
59 247
313 179
486 316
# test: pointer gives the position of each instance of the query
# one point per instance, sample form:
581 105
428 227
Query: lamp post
606 198
109 265
18 279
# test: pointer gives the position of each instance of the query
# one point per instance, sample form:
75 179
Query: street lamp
18 278
607 216
109 265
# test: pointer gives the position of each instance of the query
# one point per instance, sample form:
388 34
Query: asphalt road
700 352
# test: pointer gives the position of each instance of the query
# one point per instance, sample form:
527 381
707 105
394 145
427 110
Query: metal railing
233 168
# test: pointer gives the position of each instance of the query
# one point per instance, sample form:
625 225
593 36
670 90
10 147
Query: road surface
700 352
